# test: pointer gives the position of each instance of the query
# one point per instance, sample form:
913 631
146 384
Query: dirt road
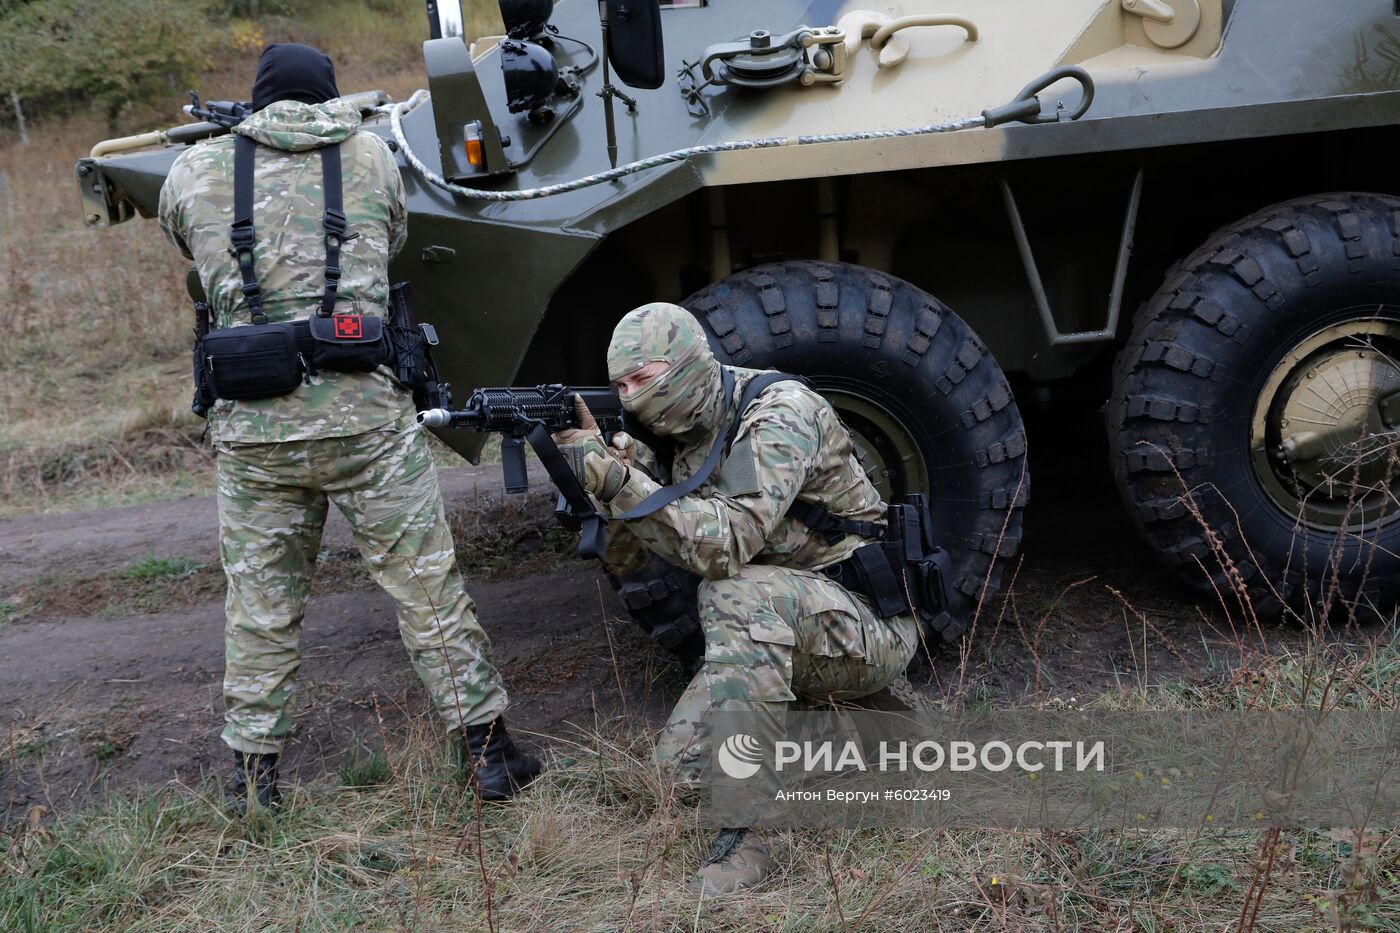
96 701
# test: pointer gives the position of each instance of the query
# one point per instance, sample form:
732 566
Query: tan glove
624 448
599 468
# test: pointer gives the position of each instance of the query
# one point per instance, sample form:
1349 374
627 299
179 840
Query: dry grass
598 844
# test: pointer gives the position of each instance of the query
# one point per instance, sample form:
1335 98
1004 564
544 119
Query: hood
295 127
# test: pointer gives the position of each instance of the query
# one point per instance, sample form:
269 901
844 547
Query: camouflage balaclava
687 397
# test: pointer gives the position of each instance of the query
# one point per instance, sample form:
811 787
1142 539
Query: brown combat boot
739 861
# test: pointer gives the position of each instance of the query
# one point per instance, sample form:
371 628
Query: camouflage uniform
347 438
774 627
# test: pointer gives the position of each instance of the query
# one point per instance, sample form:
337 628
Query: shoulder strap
667 494
241 233
334 223
593 532
756 387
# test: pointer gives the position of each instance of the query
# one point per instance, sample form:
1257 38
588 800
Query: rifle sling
593 537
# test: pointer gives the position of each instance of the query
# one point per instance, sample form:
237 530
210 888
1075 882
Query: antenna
609 92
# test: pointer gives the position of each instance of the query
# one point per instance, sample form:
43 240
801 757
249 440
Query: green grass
155 568
364 769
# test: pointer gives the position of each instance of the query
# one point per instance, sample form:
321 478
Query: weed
1208 879
155 568
360 771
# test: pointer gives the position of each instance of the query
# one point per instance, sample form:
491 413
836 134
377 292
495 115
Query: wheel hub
884 447
1327 425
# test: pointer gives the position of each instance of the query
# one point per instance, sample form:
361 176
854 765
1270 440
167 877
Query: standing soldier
321 212
770 528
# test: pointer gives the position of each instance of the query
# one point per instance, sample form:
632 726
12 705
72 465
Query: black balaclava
294 72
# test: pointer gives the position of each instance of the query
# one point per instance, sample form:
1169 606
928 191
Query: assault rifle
225 113
530 414
520 412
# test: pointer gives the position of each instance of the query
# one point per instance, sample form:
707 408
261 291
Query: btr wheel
1257 409
928 407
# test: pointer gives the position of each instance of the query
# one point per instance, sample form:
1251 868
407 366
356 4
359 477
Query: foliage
55 54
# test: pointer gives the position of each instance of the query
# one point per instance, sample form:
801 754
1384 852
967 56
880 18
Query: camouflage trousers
273 500
772 634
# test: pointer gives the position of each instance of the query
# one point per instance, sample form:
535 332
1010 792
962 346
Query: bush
57 55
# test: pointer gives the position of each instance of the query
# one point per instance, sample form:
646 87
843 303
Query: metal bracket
102 205
1037 285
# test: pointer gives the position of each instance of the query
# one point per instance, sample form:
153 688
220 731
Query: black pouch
881 580
257 361
928 569
931 577
347 343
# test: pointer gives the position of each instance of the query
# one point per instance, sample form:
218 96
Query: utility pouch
927 568
347 343
901 570
880 579
257 361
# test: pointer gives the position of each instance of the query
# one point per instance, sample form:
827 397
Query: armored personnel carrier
934 210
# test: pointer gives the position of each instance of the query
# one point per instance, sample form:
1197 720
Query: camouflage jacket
196 209
791 445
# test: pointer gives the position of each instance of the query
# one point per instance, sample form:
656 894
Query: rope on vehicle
396 112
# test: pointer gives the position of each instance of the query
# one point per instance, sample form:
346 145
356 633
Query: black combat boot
263 771
492 764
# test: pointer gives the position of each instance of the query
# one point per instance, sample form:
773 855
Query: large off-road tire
929 408
1267 362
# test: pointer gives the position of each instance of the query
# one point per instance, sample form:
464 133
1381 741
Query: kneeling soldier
786 501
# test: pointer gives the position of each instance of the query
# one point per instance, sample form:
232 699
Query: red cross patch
348 326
